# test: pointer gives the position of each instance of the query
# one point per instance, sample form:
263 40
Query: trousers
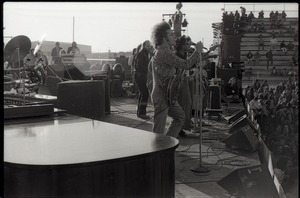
141 82
185 101
162 110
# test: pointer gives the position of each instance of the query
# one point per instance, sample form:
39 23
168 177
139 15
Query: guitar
174 81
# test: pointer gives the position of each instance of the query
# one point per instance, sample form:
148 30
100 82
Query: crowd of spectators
275 44
276 112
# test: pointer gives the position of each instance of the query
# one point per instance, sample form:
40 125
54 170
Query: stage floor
219 160
215 156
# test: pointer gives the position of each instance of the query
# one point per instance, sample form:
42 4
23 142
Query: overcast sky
116 26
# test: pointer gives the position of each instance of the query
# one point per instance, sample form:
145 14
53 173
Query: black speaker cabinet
212 70
241 122
236 116
52 82
73 72
214 97
251 182
244 138
231 49
106 79
85 98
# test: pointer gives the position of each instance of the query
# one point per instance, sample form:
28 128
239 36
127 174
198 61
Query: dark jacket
269 54
142 62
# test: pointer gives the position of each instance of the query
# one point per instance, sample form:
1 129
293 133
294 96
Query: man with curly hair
163 66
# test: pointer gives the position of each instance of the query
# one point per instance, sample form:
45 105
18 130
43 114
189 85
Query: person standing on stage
29 64
40 65
130 61
164 63
140 76
184 97
55 53
74 49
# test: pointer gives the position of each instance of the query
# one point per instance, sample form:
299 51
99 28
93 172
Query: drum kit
14 53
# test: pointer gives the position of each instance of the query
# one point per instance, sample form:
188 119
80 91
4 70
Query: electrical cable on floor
220 162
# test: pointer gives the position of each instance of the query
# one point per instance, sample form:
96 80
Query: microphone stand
198 118
22 81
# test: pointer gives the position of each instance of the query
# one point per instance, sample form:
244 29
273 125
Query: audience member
269 56
291 30
293 61
243 11
249 56
257 57
265 85
273 34
261 14
271 15
261 27
55 53
290 46
248 72
255 27
284 72
279 24
280 34
283 47
273 43
283 15
236 16
274 72
250 17
256 85
261 42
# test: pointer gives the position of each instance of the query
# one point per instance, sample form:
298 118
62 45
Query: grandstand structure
281 60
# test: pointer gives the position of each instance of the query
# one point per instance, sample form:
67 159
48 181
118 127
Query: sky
117 26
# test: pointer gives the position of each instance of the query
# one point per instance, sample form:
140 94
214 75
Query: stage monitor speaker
236 116
73 72
52 82
85 98
243 138
252 182
241 122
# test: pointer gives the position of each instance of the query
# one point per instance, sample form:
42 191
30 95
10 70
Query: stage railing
279 188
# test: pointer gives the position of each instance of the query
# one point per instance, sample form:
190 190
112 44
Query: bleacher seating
281 60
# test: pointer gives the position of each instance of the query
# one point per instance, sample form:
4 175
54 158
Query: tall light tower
176 20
